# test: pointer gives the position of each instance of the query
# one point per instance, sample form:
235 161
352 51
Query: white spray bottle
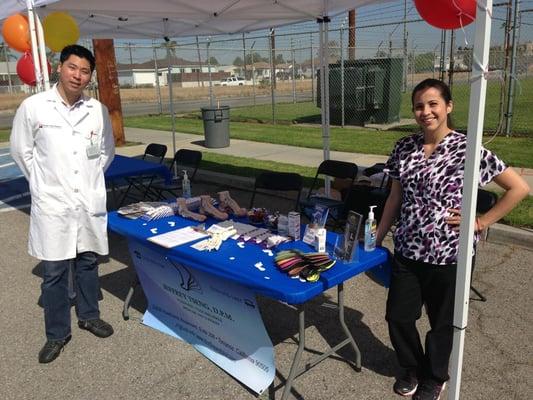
185 186
370 231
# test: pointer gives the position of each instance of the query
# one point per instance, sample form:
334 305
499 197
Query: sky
377 26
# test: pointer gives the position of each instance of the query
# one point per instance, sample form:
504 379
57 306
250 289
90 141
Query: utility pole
108 87
351 35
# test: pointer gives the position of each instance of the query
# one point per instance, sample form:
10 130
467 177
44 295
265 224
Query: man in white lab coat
63 142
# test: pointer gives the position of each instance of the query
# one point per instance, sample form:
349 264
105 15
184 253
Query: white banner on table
219 318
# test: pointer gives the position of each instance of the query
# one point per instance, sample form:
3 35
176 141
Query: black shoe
429 390
51 350
97 327
406 384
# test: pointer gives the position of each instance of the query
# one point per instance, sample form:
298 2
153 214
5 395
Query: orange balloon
16 33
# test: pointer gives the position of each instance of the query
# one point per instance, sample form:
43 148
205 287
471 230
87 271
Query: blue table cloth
239 264
124 167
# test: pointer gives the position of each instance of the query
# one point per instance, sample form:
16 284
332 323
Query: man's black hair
77 50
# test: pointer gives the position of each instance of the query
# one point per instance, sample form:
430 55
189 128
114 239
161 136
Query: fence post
272 76
6 58
452 62
199 63
342 72
512 77
312 71
253 71
293 73
442 55
209 71
158 86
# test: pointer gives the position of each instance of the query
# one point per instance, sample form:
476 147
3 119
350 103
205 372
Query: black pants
414 284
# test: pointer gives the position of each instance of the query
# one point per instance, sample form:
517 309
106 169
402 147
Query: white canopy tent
157 19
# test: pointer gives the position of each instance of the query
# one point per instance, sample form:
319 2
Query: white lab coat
68 194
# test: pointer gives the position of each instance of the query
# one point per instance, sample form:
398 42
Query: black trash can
216 126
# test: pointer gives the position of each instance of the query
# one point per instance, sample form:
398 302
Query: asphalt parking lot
138 362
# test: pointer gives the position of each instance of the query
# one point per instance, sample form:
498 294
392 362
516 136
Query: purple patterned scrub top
429 188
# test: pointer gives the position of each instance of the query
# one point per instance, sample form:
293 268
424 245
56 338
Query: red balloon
447 14
26 69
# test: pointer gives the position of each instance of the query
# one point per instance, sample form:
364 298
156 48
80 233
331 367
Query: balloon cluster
60 30
447 14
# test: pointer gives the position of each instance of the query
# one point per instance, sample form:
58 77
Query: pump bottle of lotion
185 185
370 231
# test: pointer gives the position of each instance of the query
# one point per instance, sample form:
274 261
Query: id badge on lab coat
93 151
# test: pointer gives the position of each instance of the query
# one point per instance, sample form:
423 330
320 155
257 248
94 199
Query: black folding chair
154 152
485 201
271 183
184 159
332 169
360 197
377 168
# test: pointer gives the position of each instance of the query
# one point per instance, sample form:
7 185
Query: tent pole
324 92
42 52
34 46
170 99
471 179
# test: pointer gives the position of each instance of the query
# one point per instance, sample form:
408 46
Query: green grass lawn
4 135
522 125
521 216
516 151
287 113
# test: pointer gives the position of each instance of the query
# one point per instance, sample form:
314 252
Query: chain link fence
273 76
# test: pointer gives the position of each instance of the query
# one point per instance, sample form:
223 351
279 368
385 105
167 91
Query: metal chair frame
332 169
278 182
154 152
184 159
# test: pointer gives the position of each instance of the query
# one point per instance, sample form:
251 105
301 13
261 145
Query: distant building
185 73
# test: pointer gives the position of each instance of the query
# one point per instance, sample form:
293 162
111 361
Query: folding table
124 167
279 286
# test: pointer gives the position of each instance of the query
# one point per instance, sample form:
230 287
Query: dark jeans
414 284
55 293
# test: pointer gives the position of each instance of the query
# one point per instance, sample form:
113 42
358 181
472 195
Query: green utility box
372 91
216 126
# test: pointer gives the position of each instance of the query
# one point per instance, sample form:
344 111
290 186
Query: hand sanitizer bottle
370 231
185 186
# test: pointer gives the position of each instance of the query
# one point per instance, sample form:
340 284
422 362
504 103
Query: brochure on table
219 318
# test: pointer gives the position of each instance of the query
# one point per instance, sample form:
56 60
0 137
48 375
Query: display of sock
207 208
184 212
228 204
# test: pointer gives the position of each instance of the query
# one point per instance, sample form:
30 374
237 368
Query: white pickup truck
233 81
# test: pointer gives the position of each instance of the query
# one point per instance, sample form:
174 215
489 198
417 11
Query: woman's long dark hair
442 87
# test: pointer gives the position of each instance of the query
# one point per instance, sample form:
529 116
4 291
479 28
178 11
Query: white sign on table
219 318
